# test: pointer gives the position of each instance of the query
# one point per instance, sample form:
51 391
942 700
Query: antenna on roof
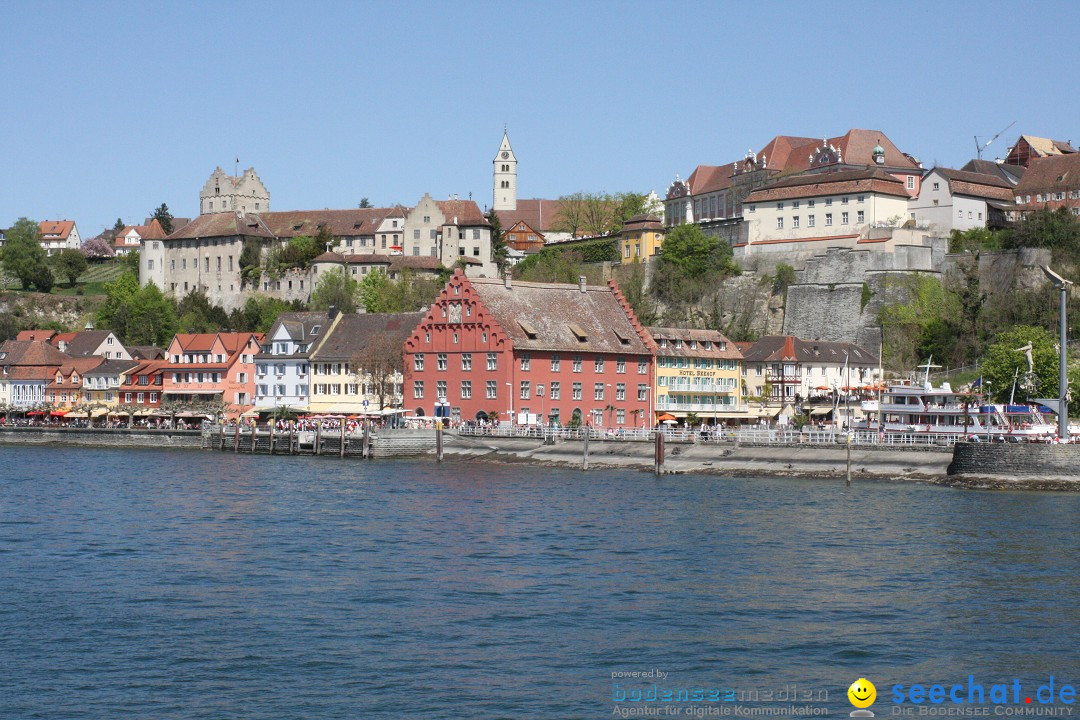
979 148
236 172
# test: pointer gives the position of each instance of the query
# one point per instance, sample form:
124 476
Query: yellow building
698 373
641 238
339 382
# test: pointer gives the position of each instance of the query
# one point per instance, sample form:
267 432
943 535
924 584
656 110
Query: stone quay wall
1008 463
102 437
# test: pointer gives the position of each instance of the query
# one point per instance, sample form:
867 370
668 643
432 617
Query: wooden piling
318 439
585 455
342 448
438 441
254 438
236 439
292 439
659 453
367 439
271 438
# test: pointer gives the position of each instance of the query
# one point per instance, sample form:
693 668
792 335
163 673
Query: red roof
53 229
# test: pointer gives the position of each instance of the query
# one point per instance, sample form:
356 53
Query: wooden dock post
236 439
271 438
438 441
585 456
254 438
342 448
367 439
292 439
659 453
318 438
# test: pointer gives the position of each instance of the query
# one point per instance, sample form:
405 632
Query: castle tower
505 177
224 193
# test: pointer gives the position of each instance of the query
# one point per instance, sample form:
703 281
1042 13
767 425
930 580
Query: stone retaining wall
1007 460
102 437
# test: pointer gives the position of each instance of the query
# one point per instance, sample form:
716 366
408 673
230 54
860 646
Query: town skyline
135 129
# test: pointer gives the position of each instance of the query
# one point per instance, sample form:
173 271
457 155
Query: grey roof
549 316
112 367
301 328
353 332
1009 173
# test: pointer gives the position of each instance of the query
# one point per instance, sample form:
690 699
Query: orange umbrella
665 416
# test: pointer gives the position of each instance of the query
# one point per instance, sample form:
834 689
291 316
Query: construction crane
980 147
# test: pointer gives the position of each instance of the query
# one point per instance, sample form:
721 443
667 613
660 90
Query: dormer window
315 329
693 344
706 344
578 331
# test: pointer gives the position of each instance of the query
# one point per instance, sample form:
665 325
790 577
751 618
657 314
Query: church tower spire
505 177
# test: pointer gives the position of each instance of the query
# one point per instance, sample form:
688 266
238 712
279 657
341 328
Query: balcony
671 406
701 389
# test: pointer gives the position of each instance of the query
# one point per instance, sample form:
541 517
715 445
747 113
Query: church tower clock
505 177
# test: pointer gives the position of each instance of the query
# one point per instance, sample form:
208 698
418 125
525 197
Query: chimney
507 281
581 283
332 312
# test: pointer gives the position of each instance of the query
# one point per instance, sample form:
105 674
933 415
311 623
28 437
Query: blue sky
113 108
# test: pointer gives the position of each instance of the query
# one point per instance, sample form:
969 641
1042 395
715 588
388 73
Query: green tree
118 226
364 203
1001 361
138 316
784 277
374 291
197 315
43 279
130 261
498 242
260 312
694 253
70 263
250 262
1058 230
335 288
153 319
22 255
164 217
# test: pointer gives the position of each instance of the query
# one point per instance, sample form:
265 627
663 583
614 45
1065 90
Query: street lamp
1063 383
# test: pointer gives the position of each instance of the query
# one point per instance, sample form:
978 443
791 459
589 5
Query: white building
282 368
57 235
844 205
958 200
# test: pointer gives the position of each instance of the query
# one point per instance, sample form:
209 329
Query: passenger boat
921 409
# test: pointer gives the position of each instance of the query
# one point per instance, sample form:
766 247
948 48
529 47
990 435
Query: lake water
186 584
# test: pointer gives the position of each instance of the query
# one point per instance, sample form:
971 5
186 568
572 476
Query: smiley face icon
862 693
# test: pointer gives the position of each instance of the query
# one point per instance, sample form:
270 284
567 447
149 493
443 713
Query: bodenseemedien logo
862 694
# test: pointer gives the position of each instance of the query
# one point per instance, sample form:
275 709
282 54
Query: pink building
207 367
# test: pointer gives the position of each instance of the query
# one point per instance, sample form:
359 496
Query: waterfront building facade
340 383
282 366
698 374
784 372
101 384
142 385
26 368
530 353
213 368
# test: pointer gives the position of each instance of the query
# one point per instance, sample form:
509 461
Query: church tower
505 176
